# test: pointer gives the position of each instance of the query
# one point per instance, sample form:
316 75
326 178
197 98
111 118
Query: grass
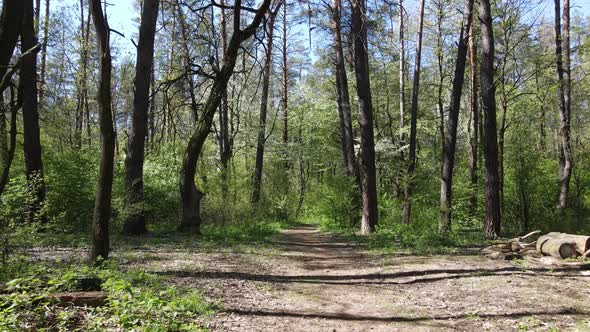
137 300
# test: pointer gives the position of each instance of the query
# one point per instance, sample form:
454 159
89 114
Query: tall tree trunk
190 195
493 216
402 82
285 81
43 57
564 77
363 87
225 146
347 138
31 132
409 184
441 79
474 128
102 204
10 27
9 149
266 72
134 201
446 188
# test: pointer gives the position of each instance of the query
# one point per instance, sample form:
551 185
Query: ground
306 280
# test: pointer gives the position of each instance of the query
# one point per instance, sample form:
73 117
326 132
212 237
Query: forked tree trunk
102 204
31 132
190 195
409 184
493 215
446 187
134 199
363 87
343 98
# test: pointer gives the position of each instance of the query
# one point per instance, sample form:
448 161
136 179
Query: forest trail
313 281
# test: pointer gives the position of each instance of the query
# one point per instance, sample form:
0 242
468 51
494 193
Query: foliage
137 301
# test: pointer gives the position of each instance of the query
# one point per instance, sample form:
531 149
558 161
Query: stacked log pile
554 244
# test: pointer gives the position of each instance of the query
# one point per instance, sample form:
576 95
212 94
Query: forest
294 165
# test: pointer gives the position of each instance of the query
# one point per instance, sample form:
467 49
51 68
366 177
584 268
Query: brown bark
31 132
409 184
135 214
363 86
102 204
190 195
493 217
10 29
9 149
446 188
343 97
266 72
12 12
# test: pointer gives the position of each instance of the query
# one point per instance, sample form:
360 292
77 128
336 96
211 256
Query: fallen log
80 299
556 246
581 242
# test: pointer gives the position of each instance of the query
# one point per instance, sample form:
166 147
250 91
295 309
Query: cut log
79 299
559 247
582 242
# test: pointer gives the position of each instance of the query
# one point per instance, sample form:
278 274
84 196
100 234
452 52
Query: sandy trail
312 281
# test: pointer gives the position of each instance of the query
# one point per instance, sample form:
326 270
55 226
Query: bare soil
313 281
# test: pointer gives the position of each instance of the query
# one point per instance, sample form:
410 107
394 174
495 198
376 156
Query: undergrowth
137 301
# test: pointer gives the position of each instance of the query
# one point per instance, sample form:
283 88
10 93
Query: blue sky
121 14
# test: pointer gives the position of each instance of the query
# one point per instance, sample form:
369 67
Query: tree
562 53
407 202
266 73
102 204
493 215
225 146
343 98
446 187
12 12
135 215
31 132
474 123
43 57
363 87
190 195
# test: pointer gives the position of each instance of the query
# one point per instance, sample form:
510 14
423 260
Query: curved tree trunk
190 195
562 51
102 204
134 199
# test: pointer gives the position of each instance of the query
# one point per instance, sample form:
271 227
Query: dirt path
312 282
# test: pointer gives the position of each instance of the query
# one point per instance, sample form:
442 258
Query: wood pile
558 245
